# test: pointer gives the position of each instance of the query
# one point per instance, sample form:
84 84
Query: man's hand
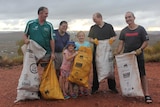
139 51
111 40
26 41
52 56
115 53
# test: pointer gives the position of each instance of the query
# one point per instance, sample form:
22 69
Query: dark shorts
141 65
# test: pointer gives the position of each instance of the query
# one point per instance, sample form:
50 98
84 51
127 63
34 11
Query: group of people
62 51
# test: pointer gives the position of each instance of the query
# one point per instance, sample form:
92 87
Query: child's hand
75 53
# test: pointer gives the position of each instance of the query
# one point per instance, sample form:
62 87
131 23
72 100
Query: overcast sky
14 14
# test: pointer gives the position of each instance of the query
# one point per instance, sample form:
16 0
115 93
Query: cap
70 43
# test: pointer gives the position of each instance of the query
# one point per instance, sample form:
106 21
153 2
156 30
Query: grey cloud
112 10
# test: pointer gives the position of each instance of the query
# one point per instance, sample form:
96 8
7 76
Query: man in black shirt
135 38
101 31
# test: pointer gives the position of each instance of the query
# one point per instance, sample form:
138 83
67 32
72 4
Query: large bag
49 86
28 85
104 60
25 94
81 67
129 74
29 78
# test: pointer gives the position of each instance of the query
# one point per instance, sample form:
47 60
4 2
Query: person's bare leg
63 86
61 83
144 85
66 86
145 89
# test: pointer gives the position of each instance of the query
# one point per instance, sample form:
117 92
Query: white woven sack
25 94
104 60
129 75
29 80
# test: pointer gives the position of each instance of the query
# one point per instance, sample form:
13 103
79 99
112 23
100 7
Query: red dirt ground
9 80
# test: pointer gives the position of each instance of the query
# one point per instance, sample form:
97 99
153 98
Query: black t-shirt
133 39
103 33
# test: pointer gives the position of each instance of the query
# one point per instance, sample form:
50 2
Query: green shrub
156 47
18 60
152 53
149 50
6 60
19 44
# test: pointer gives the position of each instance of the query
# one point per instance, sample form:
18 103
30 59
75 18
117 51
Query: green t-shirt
42 34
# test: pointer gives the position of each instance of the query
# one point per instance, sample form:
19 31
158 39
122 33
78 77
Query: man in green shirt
42 32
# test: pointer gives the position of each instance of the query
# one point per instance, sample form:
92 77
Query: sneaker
73 95
148 99
86 93
66 97
114 90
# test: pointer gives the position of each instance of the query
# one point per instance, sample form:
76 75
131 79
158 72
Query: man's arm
144 45
25 38
94 41
52 44
120 47
140 50
91 40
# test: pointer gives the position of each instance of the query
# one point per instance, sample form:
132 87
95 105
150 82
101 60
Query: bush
6 61
149 50
156 47
152 53
19 44
11 61
16 60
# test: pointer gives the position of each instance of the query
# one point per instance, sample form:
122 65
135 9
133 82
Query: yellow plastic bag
49 86
81 67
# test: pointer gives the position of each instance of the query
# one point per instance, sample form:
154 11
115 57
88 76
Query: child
68 56
81 42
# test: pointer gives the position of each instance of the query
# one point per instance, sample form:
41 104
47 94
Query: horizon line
73 30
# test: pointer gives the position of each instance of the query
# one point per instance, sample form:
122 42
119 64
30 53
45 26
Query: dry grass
11 61
152 53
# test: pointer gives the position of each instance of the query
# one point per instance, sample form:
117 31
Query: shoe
80 94
148 99
66 97
94 91
114 90
39 94
73 95
86 93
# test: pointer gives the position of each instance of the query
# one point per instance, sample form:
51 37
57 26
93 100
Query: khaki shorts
45 60
58 60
